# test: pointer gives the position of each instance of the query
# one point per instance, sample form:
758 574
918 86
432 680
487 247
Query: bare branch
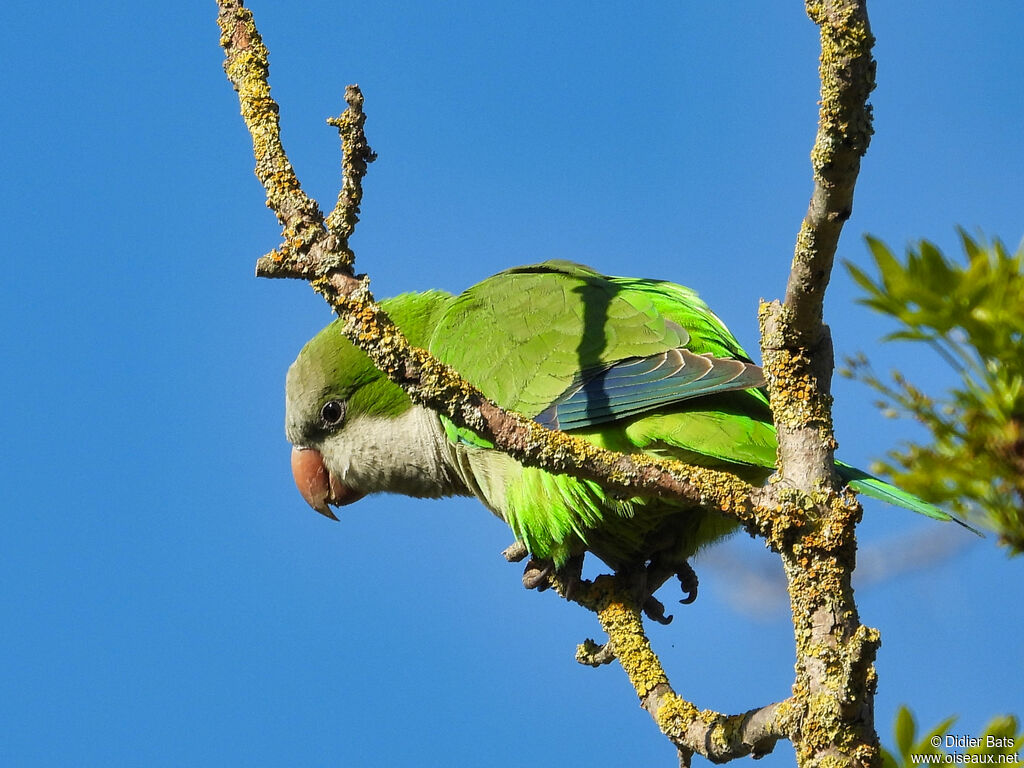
590 654
355 155
248 68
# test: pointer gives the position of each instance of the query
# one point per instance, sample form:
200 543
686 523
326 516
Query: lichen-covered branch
716 736
247 66
355 156
795 343
835 680
847 72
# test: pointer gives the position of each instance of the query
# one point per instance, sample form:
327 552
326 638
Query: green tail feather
871 486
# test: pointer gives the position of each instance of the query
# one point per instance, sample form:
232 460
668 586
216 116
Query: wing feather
636 385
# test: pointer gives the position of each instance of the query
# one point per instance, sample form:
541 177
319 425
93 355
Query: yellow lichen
625 629
674 715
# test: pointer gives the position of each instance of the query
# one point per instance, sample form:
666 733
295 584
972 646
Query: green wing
561 336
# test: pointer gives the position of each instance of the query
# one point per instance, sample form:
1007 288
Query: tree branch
796 346
307 244
355 155
847 72
835 680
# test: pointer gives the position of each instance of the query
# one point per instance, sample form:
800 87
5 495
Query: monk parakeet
633 365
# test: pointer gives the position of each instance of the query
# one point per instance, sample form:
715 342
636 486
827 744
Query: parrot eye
332 413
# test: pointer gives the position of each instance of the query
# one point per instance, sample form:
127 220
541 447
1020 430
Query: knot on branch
310 256
592 654
784 516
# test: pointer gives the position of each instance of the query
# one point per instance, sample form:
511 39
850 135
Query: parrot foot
688 582
515 552
542 574
537 573
654 610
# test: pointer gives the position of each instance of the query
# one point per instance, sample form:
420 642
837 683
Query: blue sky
167 597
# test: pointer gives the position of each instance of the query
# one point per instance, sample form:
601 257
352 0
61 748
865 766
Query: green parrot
632 365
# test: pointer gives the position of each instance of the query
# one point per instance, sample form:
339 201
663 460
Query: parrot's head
349 426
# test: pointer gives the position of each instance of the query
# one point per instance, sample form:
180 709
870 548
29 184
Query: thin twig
355 156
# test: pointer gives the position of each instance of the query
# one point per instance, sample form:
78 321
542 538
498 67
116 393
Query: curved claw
654 610
688 582
536 574
571 574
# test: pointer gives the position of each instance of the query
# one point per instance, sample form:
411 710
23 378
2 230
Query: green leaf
861 277
907 335
904 731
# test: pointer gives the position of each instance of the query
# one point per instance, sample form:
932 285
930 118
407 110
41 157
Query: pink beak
318 487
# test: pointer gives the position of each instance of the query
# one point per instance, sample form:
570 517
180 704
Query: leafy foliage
1002 736
973 315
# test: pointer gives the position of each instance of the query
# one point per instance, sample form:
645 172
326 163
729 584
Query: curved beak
318 487
312 479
